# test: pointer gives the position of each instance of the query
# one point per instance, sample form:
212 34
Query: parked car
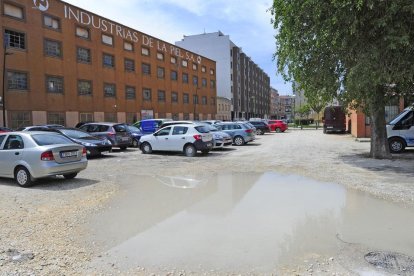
114 132
277 125
212 122
220 138
400 131
334 119
135 133
261 127
188 138
150 125
5 129
241 133
170 123
27 156
39 127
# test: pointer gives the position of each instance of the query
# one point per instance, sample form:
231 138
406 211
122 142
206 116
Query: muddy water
241 222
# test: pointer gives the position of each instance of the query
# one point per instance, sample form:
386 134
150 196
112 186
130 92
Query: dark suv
116 133
261 127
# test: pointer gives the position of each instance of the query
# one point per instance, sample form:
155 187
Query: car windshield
75 134
50 139
134 129
398 118
202 129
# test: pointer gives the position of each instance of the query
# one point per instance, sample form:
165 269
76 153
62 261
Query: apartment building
64 64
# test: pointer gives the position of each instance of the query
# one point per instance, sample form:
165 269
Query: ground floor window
131 118
56 118
110 117
86 117
19 119
186 116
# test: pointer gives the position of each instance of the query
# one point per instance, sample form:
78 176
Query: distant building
287 107
238 77
223 109
275 108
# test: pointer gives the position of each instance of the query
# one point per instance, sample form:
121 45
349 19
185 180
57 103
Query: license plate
66 154
124 139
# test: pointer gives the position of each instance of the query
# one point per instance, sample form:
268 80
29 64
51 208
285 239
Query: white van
400 131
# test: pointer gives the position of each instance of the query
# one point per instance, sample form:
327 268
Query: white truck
400 131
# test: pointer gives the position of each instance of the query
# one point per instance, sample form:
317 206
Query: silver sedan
28 156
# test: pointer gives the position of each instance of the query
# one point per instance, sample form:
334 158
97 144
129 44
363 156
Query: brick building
65 65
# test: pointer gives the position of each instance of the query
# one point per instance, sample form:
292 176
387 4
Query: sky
247 23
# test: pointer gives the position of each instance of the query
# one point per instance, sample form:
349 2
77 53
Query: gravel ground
41 231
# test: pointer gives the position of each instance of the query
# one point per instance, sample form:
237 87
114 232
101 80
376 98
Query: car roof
104 123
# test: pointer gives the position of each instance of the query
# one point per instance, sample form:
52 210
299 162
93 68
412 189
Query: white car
182 137
400 131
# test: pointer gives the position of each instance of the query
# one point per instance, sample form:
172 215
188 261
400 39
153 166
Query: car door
179 138
161 139
406 128
10 154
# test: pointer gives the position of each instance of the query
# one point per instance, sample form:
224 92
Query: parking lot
78 226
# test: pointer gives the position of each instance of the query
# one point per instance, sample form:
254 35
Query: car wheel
135 143
123 147
259 132
23 177
205 151
70 175
190 151
146 148
397 145
238 141
278 130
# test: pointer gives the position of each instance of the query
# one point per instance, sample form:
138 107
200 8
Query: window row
55 84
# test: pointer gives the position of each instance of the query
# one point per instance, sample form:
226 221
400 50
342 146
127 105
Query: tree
360 51
317 100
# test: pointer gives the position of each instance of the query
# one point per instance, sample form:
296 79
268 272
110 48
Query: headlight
88 144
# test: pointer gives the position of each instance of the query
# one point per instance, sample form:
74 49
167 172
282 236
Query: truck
334 119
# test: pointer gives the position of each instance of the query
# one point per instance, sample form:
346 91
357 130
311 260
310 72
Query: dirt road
43 228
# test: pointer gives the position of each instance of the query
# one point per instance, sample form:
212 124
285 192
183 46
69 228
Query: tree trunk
379 143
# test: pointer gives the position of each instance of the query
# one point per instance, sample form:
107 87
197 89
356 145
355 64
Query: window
212 84
130 93
13 11
19 119
195 80
109 90
82 32
56 118
164 131
160 72
128 46
184 63
185 78
86 117
51 22
195 67
179 130
146 69
203 69
195 99
161 96
211 71
84 87
83 55
52 48
129 65
173 60
186 98
174 97
175 117
131 118
146 94
17 81
16 39
186 116
160 56
174 75
108 60
145 51
54 84
107 39
204 100
110 117
213 101
204 82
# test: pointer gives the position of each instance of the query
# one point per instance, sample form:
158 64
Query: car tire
190 151
135 143
397 145
70 175
238 141
23 177
259 132
278 130
146 148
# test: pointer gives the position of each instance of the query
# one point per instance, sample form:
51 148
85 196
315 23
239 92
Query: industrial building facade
64 65
239 78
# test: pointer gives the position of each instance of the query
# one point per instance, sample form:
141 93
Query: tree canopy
360 51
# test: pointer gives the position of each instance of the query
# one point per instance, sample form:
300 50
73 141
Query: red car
277 125
5 129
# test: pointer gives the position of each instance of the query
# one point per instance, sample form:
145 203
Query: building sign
41 5
84 18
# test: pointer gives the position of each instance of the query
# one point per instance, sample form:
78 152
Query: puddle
241 222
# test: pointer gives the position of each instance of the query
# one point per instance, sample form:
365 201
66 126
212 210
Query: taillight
197 137
112 134
249 130
47 156
84 152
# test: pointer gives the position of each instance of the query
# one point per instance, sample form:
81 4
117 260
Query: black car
115 132
261 127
